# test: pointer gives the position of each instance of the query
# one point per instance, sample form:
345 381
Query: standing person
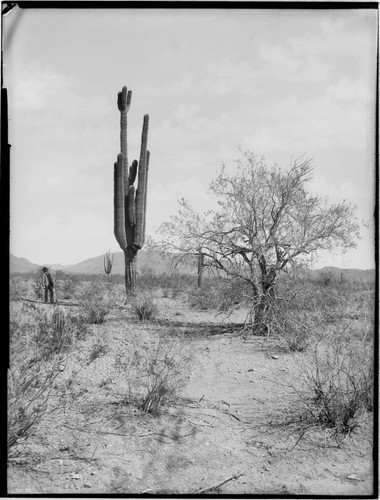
48 284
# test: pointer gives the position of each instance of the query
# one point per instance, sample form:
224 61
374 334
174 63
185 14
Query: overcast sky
278 82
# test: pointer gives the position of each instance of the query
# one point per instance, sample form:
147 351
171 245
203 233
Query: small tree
265 222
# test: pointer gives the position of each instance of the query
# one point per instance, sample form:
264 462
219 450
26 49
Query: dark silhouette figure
48 284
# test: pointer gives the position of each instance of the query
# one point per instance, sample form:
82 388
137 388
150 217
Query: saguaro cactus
129 202
108 262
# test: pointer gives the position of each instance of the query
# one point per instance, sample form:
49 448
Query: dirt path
217 429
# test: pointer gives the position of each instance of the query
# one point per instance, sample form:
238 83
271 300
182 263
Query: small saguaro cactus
108 262
129 202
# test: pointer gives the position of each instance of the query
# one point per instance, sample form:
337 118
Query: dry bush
339 377
154 371
219 294
98 350
31 375
41 345
66 288
300 309
294 329
144 307
294 316
172 284
38 289
204 299
96 301
55 333
30 385
18 288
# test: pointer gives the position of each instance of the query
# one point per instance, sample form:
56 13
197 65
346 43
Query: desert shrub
79 326
18 288
31 379
164 371
97 351
205 298
96 301
54 333
30 387
293 328
172 284
220 294
66 287
144 307
155 370
289 321
339 377
38 288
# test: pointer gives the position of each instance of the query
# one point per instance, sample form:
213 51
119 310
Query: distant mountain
336 274
157 263
21 265
147 261
152 262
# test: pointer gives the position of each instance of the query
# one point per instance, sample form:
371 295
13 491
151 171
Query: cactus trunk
130 202
130 258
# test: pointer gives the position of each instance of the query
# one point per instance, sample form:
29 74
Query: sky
278 82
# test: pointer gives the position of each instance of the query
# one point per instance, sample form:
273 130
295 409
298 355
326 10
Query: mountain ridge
156 263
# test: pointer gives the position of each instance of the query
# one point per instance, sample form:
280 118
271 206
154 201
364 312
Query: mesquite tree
265 221
129 202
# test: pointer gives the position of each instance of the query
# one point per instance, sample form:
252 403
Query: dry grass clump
18 288
219 294
153 370
36 350
96 301
144 307
41 342
30 386
295 315
339 380
66 288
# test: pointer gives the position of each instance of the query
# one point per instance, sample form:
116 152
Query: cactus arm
124 102
131 207
119 216
133 172
146 194
141 188
124 99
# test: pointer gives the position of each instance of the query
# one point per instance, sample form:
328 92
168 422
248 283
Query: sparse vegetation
71 369
339 378
144 307
96 301
66 287
155 371
35 346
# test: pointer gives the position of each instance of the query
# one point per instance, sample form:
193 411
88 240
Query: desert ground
183 401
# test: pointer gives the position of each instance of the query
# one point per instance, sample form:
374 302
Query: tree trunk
260 323
130 270
201 259
262 308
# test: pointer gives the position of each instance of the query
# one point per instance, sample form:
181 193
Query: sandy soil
222 425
